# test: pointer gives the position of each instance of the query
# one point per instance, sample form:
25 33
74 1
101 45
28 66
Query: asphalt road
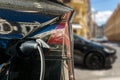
112 73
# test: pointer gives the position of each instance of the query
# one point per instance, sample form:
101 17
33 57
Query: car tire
95 60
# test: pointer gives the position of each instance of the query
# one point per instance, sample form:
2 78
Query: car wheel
95 60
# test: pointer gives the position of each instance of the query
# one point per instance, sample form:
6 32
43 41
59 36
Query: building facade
112 27
100 32
82 19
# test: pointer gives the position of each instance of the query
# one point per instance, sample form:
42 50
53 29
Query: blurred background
96 18
99 21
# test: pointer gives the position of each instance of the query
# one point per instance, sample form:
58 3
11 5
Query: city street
105 74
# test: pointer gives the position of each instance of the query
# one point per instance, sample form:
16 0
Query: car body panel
83 47
30 20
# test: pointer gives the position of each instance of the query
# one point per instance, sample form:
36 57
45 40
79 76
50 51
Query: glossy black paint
84 47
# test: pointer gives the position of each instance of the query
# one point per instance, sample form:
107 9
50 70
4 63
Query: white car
100 39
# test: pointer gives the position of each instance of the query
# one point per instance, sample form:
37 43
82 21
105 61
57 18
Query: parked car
100 39
93 55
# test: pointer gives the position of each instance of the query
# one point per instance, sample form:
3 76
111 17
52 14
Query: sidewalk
112 73
109 78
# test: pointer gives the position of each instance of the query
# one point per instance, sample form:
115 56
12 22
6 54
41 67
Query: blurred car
100 39
91 54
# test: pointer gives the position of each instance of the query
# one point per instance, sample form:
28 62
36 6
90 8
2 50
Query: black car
91 54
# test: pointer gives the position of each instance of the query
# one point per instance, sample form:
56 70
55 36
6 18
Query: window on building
66 1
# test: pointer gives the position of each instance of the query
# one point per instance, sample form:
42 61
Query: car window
76 38
81 38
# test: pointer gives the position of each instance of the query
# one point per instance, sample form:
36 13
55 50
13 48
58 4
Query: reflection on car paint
22 28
